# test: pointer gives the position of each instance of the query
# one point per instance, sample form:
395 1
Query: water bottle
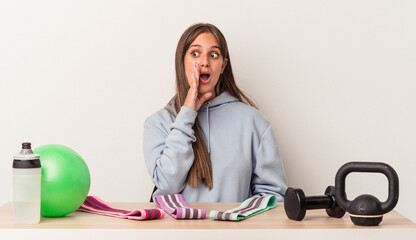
26 186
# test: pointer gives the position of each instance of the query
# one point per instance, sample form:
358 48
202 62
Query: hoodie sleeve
268 173
168 151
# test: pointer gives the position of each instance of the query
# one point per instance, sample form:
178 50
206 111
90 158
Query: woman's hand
193 101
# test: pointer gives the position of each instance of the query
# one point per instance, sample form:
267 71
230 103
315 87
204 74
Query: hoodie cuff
184 122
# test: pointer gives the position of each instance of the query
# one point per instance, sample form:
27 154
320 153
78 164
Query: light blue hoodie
244 155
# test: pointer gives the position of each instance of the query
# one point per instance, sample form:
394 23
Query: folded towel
175 206
95 205
248 208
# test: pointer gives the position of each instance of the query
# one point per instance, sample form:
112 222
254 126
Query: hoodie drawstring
209 134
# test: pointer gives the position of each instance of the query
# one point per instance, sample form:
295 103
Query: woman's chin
201 93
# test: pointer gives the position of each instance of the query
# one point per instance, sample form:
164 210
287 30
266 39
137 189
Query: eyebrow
197 45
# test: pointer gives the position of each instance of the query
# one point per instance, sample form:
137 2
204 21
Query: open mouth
204 77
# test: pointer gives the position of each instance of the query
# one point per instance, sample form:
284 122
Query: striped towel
175 206
248 208
95 205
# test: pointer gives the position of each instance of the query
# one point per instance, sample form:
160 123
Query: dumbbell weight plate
335 210
295 204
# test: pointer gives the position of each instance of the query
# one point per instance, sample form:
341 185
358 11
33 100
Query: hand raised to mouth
192 100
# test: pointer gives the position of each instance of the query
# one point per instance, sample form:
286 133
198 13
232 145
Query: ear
224 64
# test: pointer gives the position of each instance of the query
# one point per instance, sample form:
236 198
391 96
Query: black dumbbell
296 203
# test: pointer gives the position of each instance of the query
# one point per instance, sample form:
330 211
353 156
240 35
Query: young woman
210 143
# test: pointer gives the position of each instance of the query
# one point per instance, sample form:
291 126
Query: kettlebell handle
376 167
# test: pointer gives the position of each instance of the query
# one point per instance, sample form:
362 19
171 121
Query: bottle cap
26 158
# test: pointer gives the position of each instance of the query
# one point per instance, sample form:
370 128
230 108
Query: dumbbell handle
319 202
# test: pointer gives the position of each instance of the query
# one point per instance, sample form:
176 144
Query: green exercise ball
65 180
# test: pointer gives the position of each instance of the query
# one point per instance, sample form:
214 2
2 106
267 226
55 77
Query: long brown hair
201 168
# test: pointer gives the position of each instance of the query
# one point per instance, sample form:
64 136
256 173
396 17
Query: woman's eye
214 55
195 54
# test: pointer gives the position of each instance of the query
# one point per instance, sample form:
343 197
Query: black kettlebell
366 210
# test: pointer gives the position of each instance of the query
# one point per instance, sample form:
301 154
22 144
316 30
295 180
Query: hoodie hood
217 102
211 105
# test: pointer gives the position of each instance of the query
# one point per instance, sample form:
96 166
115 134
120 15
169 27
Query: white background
336 79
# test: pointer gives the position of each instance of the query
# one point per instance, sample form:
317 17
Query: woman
210 143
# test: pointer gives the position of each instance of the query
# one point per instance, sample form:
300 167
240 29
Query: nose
204 61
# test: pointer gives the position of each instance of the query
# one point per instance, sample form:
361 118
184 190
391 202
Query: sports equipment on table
175 206
65 180
248 208
367 210
26 186
95 205
296 203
